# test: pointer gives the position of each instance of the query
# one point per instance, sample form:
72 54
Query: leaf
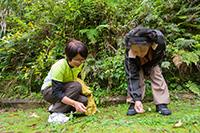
198 51
150 129
31 24
177 60
182 17
102 26
33 115
26 75
115 112
193 87
184 42
190 57
191 25
33 125
178 124
16 33
11 115
11 122
29 1
165 64
91 33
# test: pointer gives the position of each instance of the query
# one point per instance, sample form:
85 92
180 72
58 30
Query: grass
185 118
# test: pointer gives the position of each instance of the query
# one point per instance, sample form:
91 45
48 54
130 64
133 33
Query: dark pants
158 86
71 90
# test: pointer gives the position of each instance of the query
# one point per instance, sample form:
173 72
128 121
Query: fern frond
193 87
190 57
91 33
190 25
100 27
177 60
184 42
197 52
84 31
165 64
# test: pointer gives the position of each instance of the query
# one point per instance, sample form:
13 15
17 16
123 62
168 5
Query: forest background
34 33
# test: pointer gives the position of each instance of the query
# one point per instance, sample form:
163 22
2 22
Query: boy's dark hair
75 47
141 36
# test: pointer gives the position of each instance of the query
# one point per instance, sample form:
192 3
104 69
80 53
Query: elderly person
145 50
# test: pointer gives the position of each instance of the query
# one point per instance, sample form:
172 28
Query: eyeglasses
76 61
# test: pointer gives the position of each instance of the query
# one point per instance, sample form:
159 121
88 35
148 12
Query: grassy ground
185 118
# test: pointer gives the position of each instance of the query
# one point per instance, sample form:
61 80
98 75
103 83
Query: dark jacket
133 66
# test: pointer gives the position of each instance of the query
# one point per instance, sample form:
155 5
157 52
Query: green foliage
184 43
193 87
185 56
107 74
190 57
33 36
93 33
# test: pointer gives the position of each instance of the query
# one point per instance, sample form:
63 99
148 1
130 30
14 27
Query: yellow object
91 106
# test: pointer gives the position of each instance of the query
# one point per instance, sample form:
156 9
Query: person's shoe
50 108
162 109
58 117
131 110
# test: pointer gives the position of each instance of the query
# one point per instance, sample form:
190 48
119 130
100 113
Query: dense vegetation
34 33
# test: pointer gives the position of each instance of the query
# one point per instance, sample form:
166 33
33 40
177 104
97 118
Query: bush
34 33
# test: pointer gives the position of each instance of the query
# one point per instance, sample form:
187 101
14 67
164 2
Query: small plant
193 87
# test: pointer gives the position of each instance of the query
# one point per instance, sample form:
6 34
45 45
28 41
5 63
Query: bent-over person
145 50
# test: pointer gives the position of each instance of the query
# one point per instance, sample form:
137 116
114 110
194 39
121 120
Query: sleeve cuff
61 97
137 99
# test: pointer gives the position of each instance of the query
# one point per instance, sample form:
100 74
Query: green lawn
185 118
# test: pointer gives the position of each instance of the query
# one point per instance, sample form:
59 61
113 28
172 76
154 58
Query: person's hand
139 107
80 107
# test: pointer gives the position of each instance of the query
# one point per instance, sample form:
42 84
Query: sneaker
162 109
58 117
50 108
131 110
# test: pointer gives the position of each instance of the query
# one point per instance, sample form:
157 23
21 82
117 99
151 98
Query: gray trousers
71 90
158 86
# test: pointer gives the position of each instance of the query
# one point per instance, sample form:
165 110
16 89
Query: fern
197 52
100 27
193 87
165 64
190 25
93 33
190 57
184 42
177 60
